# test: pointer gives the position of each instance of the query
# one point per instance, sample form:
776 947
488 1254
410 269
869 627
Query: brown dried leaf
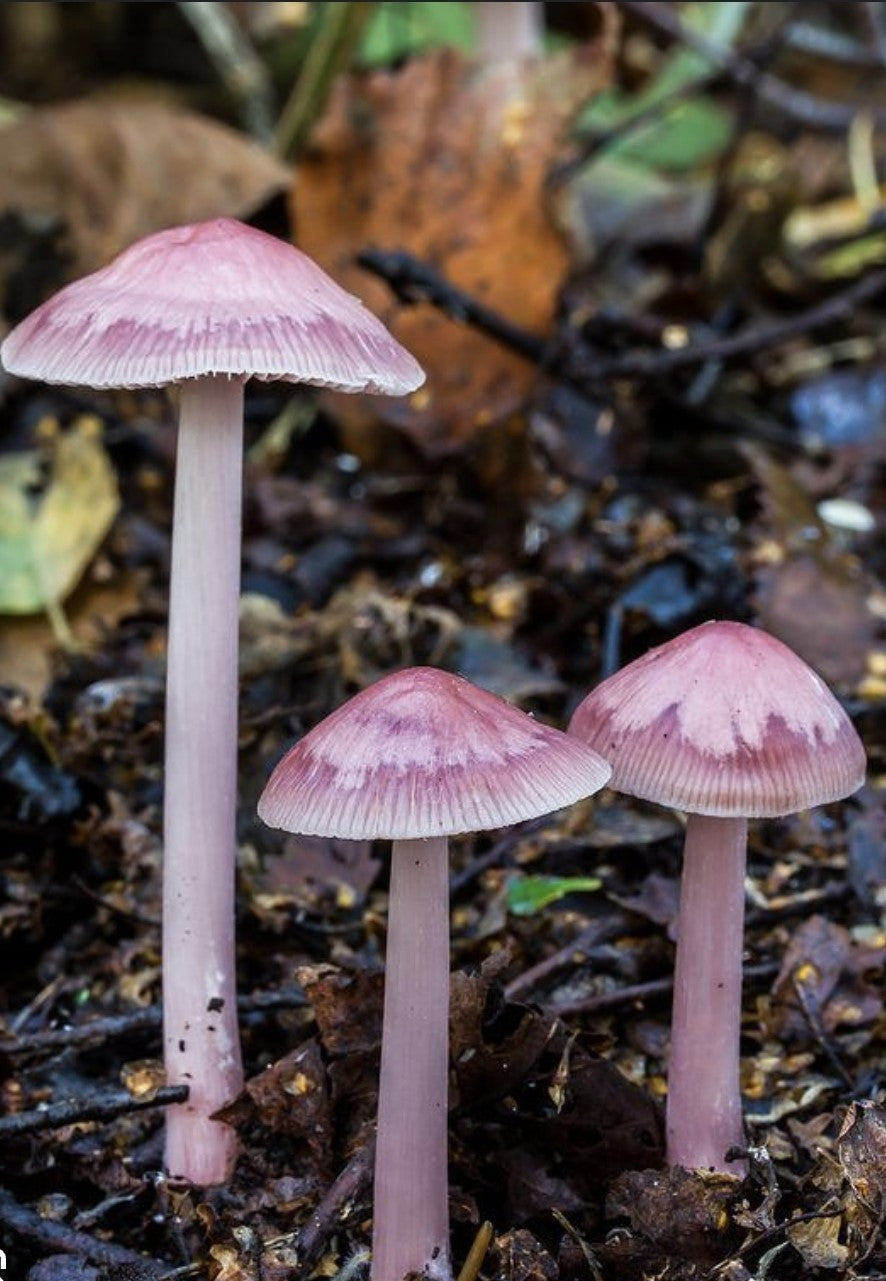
820 985
347 868
818 1242
291 1098
658 900
270 640
376 633
447 160
347 1007
861 1151
605 1122
493 1044
519 1256
531 1188
819 612
112 171
685 1212
809 592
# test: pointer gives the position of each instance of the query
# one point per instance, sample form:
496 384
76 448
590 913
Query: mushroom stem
411 1215
508 30
201 1038
704 1101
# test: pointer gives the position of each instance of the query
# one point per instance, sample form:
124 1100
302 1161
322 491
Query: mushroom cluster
724 723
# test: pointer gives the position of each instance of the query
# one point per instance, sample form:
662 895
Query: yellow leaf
47 542
818 1242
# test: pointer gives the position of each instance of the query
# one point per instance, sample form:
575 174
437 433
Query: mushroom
415 758
205 306
726 723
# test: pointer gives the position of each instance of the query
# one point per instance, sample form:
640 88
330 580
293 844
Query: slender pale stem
411 1198
704 1101
508 31
201 1037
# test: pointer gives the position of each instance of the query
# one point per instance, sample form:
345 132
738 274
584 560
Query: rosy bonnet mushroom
726 723
206 307
415 758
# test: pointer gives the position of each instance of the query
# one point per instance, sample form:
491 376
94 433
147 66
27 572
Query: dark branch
102 1105
58 1238
115 1026
643 991
797 104
414 281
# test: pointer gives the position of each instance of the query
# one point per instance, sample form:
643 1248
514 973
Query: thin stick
350 1186
806 108
241 69
415 281
645 991
58 1238
114 1026
101 1105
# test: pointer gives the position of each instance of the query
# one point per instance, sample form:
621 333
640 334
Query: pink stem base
704 1101
411 1199
200 1032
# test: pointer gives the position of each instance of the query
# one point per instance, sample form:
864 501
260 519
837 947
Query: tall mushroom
417 757
726 723
206 307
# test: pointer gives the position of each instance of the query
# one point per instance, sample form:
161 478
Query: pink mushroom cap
214 297
423 753
726 721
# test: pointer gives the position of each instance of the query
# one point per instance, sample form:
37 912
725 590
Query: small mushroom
417 757
205 306
726 723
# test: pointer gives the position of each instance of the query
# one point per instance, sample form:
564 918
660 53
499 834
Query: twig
805 108
588 147
57 1237
817 1028
642 992
767 1235
102 1105
239 66
832 45
414 281
460 881
309 1241
341 28
874 17
591 936
118 1025
758 338
471 1267
350 1185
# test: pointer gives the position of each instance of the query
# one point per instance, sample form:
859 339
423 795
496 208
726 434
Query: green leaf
686 133
527 895
685 136
398 30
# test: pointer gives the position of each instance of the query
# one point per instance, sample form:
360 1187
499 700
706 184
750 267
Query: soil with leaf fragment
679 416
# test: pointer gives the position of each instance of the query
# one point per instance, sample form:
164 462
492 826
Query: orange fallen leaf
448 159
